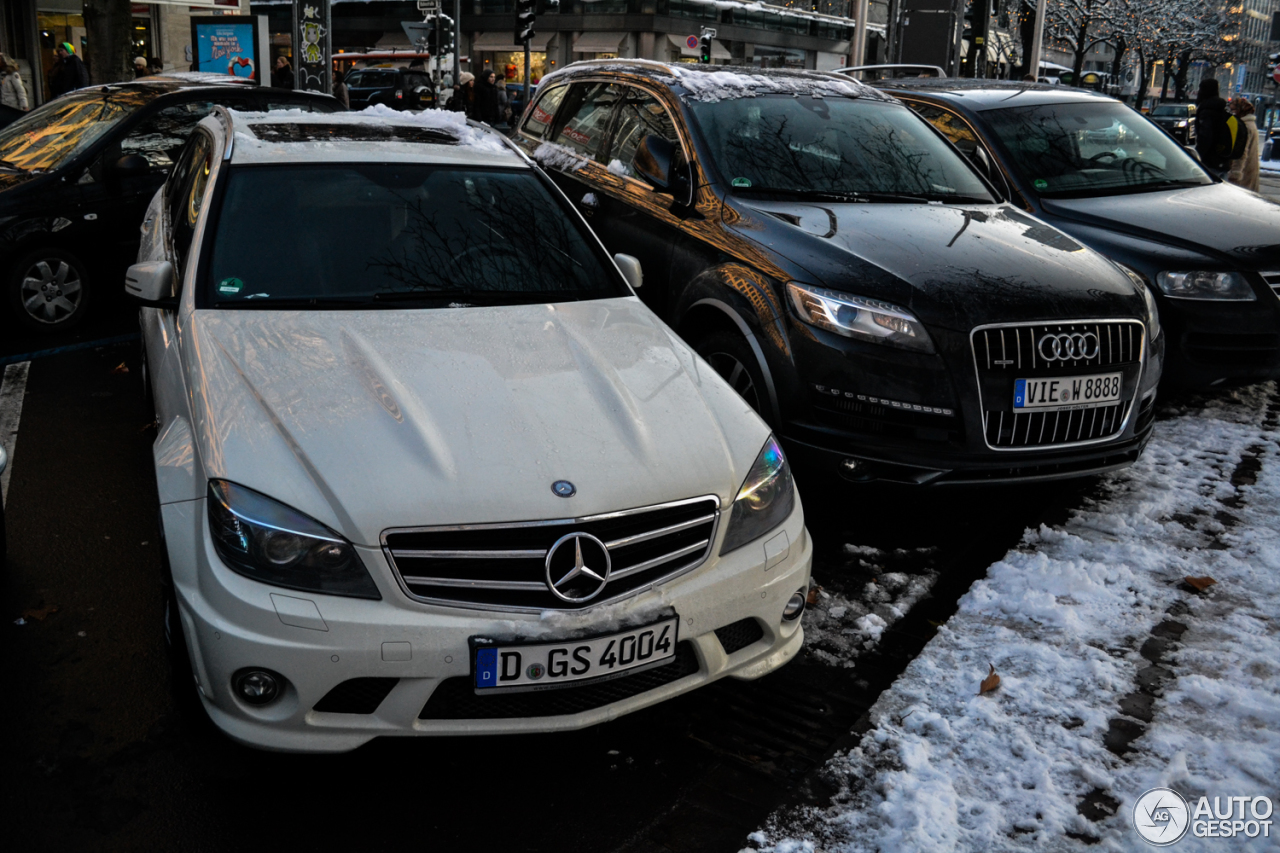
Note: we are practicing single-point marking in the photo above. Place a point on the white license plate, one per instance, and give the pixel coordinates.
(1067, 392)
(541, 666)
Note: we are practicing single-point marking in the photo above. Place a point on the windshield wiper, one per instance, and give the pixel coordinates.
(411, 295)
(296, 302)
(467, 295)
(853, 196)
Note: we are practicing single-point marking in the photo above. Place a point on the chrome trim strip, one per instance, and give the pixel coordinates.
(657, 561)
(533, 554)
(466, 583)
(654, 534)
(1142, 369)
(631, 593)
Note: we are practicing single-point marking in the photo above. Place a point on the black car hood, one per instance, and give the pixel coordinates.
(952, 266)
(1218, 220)
(9, 180)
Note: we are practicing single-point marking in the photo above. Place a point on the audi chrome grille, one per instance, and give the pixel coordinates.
(1007, 352)
(506, 566)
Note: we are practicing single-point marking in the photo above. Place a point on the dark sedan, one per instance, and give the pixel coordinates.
(854, 278)
(77, 174)
(1100, 171)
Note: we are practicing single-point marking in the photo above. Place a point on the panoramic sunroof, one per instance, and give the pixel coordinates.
(310, 132)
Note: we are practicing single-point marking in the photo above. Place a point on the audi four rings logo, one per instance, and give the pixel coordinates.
(1068, 347)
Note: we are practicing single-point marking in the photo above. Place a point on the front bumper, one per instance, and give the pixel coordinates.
(1212, 343)
(231, 622)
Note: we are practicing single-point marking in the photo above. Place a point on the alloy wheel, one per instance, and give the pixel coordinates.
(737, 375)
(51, 291)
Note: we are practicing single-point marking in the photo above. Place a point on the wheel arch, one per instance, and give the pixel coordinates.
(711, 315)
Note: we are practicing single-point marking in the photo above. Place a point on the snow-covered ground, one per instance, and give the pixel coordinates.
(1096, 638)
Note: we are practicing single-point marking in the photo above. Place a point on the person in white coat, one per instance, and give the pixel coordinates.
(12, 92)
(1244, 172)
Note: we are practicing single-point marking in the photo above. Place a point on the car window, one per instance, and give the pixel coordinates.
(409, 234)
(160, 136)
(370, 79)
(846, 146)
(586, 118)
(49, 136)
(1089, 149)
(544, 111)
(951, 126)
(188, 196)
(639, 115)
(1173, 110)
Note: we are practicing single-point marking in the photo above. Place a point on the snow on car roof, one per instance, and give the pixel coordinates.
(301, 136)
(725, 82)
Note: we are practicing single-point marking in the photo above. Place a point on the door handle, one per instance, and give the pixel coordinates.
(590, 203)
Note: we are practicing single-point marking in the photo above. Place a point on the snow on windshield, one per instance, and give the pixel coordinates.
(1068, 620)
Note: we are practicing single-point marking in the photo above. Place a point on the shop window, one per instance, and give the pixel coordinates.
(639, 116)
(160, 136)
(589, 108)
(544, 112)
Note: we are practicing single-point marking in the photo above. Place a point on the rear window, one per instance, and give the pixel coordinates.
(372, 79)
(353, 235)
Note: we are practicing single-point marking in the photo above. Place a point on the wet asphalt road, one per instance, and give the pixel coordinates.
(103, 753)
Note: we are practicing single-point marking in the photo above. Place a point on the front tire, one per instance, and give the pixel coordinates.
(48, 289)
(732, 358)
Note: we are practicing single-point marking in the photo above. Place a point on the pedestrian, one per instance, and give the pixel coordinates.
(340, 90)
(140, 67)
(282, 74)
(504, 102)
(68, 72)
(463, 94)
(1244, 170)
(12, 92)
(486, 100)
(1213, 135)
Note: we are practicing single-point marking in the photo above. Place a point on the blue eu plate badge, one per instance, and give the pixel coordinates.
(1019, 393)
(486, 667)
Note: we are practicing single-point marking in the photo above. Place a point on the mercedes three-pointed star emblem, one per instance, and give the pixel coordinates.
(586, 577)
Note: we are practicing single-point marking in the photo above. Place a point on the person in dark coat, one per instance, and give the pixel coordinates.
(68, 72)
(340, 90)
(463, 94)
(282, 74)
(1211, 124)
(488, 109)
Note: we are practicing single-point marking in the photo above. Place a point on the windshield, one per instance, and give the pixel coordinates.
(1176, 110)
(832, 146)
(1091, 149)
(431, 236)
(45, 138)
(372, 79)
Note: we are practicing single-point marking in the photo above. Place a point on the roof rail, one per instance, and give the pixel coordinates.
(224, 115)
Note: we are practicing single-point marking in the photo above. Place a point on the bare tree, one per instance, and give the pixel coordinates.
(109, 26)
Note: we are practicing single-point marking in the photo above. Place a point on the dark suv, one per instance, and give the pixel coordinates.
(397, 88)
(858, 282)
(1178, 120)
(77, 174)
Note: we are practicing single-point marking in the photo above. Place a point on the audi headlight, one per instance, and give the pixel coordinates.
(856, 317)
(1216, 286)
(1182, 123)
(1153, 312)
(265, 540)
(765, 500)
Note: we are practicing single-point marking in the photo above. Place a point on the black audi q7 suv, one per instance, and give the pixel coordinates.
(853, 276)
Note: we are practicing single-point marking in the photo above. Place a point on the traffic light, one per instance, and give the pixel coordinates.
(444, 32)
(704, 46)
(525, 16)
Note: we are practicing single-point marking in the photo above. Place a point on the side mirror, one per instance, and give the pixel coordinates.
(631, 271)
(1191, 149)
(131, 165)
(151, 284)
(653, 162)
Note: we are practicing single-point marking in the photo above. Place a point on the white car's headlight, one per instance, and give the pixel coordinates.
(1153, 312)
(265, 540)
(856, 317)
(765, 500)
(1216, 286)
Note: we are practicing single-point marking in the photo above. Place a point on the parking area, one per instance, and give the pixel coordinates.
(104, 755)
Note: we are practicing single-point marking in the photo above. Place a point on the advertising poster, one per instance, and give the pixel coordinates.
(226, 46)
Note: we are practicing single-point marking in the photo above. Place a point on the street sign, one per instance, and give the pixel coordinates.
(431, 7)
(692, 42)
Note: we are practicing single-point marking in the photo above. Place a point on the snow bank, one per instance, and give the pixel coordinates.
(1062, 618)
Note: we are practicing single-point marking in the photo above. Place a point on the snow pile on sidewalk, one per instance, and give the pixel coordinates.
(1062, 619)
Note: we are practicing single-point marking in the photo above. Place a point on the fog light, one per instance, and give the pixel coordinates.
(257, 686)
(851, 466)
(794, 607)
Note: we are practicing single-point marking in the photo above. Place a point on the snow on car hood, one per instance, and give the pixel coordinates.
(374, 419)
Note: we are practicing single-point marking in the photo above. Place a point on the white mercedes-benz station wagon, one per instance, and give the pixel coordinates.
(426, 464)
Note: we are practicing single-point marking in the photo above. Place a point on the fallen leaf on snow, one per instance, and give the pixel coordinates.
(1200, 584)
(812, 597)
(39, 613)
(991, 682)
(120, 368)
